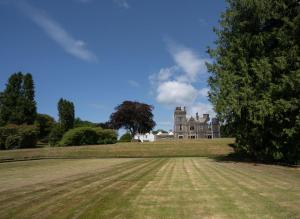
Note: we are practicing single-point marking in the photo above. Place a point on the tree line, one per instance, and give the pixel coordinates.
(21, 126)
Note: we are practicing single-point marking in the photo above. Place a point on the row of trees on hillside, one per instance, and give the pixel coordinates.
(255, 77)
(21, 126)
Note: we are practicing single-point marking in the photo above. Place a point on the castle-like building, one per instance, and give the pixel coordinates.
(193, 128)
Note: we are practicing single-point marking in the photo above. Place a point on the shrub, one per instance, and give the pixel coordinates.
(55, 135)
(126, 137)
(18, 136)
(88, 136)
(79, 136)
(107, 136)
(4, 133)
(44, 123)
(28, 136)
(12, 142)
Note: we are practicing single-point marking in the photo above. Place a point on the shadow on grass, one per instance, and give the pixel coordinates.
(244, 158)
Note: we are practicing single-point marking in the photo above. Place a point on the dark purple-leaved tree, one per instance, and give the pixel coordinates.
(133, 116)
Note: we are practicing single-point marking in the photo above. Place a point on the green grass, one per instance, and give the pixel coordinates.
(160, 186)
(147, 188)
(196, 148)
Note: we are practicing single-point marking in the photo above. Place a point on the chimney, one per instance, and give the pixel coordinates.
(206, 116)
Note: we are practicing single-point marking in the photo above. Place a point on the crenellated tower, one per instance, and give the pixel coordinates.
(180, 123)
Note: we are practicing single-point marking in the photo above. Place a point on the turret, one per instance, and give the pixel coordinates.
(180, 121)
(206, 116)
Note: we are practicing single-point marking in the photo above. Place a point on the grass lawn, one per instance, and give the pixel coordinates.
(159, 187)
(192, 148)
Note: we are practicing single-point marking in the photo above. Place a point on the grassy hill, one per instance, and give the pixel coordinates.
(184, 148)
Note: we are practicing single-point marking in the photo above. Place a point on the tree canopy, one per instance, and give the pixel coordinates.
(17, 103)
(255, 76)
(134, 116)
(66, 113)
(44, 124)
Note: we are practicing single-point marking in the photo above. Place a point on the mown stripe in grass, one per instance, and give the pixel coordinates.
(223, 204)
(52, 192)
(255, 173)
(260, 205)
(89, 189)
(152, 199)
(116, 201)
(15, 194)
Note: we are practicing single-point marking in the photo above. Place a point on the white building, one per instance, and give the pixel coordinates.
(164, 136)
(150, 137)
(145, 137)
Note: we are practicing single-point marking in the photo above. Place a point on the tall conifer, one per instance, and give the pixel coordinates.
(29, 102)
(17, 104)
(66, 113)
(255, 76)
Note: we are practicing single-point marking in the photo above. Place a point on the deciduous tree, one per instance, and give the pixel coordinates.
(44, 124)
(134, 116)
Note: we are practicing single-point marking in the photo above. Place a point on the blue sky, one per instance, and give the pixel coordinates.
(98, 53)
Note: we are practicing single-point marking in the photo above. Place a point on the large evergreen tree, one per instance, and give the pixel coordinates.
(17, 104)
(255, 76)
(66, 114)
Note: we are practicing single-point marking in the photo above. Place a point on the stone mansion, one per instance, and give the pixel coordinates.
(193, 128)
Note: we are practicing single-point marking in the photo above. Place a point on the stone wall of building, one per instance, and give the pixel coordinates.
(194, 128)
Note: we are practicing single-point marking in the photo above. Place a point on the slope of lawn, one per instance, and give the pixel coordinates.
(187, 187)
(194, 148)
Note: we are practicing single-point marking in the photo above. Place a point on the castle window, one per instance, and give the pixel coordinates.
(192, 128)
(180, 127)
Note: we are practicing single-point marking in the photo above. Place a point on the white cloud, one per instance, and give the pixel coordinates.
(202, 108)
(122, 3)
(56, 32)
(166, 73)
(174, 86)
(133, 83)
(188, 61)
(176, 93)
(204, 92)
